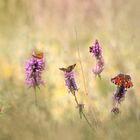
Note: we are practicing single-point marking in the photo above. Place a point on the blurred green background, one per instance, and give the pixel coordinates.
(49, 26)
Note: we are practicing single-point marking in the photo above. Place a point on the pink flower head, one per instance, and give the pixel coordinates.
(97, 70)
(99, 66)
(70, 81)
(34, 67)
(96, 49)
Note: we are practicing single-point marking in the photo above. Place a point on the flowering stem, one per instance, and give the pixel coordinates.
(86, 119)
(76, 100)
(99, 76)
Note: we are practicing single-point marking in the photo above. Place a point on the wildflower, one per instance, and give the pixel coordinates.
(69, 78)
(96, 49)
(71, 84)
(99, 67)
(34, 67)
(123, 82)
(97, 52)
(120, 94)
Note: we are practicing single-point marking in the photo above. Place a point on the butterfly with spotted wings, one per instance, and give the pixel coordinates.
(122, 79)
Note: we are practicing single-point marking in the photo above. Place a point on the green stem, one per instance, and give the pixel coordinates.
(76, 100)
(99, 76)
(87, 119)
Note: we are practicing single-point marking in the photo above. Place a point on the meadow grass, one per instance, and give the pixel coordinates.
(49, 26)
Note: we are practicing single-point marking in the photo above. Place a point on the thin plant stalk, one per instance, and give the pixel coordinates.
(76, 100)
(81, 66)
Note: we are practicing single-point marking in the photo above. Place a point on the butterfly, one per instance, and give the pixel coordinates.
(38, 55)
(69, 68)
(90, 49)
(128, 84)
(122, 79)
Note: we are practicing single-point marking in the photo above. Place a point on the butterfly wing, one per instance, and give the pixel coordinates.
(63, 69)
(90, 49)
(128, 84)
(116, 80)
(127, 78)
(70, 68)
(38, 55)
(122, 79)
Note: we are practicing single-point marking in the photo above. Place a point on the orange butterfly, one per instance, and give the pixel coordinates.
(38, 55)
(122, 79)
(128, 84)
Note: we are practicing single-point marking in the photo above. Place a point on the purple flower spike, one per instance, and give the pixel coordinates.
(34, 68)
(123, 82)
(97, 70)
(69, 78)
(70, 81)
(99, 66)
(118, 97)
(96, 49)
(120, 94)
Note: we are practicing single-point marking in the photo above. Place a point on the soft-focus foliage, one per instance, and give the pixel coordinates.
(49, 26)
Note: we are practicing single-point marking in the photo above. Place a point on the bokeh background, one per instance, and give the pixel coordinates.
(49, 26)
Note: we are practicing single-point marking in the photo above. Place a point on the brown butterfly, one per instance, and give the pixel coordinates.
(38, 55)
(69, 68)
(90, 49)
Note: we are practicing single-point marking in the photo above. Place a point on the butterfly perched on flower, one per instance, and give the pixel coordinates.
(69, 78)
(90, 49)
(122, 79)
(95, 48)
(69, 68)
(38, 55)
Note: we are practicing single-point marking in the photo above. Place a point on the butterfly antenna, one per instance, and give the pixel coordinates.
(81, 66)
